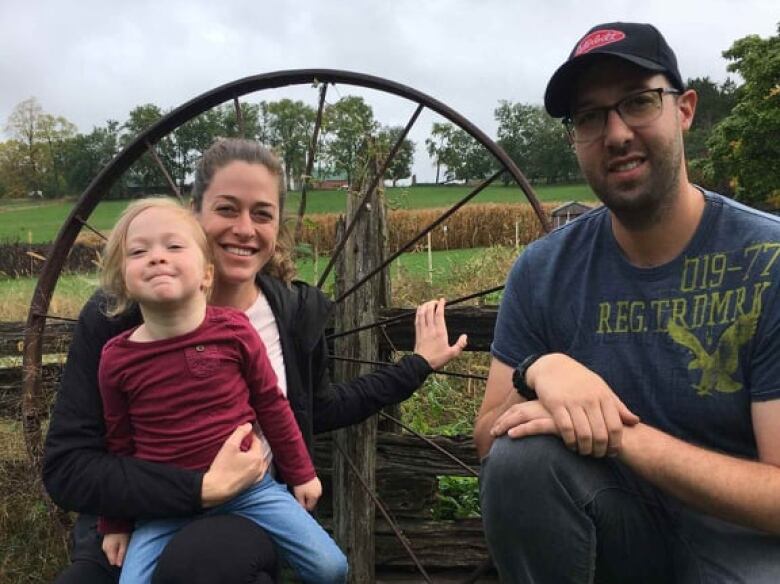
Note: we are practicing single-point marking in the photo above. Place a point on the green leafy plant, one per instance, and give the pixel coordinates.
(458, 498)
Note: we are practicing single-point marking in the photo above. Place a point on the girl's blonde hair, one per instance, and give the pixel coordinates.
(226, 150)
(112, 273)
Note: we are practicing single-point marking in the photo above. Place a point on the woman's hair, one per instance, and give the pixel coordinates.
(112, 273)
(226, 150)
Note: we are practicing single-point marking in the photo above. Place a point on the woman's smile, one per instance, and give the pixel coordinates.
(240, 215)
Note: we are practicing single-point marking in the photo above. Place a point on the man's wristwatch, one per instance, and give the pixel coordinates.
(518, 377)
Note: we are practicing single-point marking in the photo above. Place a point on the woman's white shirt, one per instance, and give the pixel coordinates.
(262, 318)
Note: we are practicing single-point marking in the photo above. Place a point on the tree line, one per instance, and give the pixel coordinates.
(47, 155)
(733, 147)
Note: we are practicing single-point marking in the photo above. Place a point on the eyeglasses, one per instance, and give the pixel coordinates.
(636, 110)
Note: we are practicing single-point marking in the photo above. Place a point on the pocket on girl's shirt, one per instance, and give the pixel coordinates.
(202, 360)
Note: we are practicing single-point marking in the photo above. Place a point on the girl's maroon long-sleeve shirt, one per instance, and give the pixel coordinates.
(177, 400)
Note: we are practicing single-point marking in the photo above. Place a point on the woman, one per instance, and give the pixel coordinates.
(238, 197)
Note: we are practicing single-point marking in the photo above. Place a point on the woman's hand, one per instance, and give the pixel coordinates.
(308, 493)
(115, 547)
(431, 340)
(240, 462)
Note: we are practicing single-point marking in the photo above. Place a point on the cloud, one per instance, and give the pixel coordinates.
(94, 60)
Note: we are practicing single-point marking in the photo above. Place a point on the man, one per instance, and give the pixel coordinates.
(632, 409)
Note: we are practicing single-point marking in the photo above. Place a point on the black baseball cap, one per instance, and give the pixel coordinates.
(640, 44)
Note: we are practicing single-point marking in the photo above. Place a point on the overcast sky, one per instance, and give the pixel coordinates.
(93, 60)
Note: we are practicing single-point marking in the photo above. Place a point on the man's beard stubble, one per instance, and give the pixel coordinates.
(655, 201)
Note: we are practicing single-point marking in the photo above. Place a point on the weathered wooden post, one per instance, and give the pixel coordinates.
(353, 508)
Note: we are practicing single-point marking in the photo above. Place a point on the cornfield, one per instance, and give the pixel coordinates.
(484, 225)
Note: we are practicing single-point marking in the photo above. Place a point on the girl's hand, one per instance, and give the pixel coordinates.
(308, 493)
(115, 547)
(431, 340)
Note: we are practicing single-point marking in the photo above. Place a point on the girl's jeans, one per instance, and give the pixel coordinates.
(301, 540)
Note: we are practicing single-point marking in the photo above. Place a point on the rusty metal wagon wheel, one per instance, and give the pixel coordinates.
(33, 411)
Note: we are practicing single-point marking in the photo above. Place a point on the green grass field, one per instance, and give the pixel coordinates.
(39, 222)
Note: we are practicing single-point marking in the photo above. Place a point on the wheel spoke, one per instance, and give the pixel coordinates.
(310, 163)
(386, 363)
(420, 235)
(479, 294)
(239, 117)
(53, 317)
(401, 537)
(92, 229)
(411, 313)
(362, 206)
(431, 443)
(166, 174)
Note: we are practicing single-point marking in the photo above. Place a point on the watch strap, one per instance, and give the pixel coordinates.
(518, 377)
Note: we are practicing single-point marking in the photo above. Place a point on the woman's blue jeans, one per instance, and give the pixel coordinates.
(553, 516)
(301, 540)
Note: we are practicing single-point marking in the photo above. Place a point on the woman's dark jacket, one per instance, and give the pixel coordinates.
(81, 476)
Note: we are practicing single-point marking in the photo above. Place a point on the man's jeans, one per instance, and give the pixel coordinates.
(554, 517)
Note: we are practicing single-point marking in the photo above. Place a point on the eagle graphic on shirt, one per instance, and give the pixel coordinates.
(717, 367)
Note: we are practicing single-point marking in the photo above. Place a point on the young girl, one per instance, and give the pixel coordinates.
(178, 385)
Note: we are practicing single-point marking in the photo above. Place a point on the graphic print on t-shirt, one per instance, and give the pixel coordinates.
(718, 366)
(713, 314)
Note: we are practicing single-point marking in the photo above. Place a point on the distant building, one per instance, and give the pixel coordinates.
(329, 182)
(568, 212)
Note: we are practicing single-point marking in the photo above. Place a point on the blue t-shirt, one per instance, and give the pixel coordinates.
(687, 345)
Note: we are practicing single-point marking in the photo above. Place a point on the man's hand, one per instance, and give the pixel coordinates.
(115, 547)
(234, 468)
(588, 415)
(524, 419)
(431, 340)
(308, 493)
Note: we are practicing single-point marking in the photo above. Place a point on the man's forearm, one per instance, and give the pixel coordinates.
(741, 491)
(483, 439)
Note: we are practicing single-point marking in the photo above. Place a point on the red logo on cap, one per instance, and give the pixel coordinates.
(598, 39)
